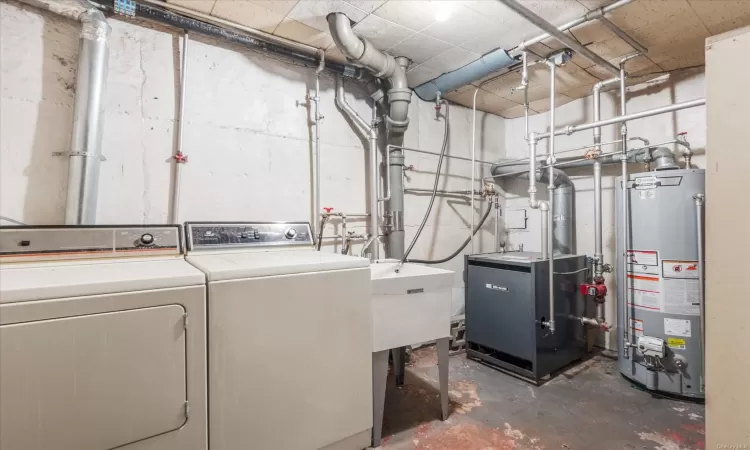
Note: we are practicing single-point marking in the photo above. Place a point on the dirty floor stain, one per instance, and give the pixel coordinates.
(586, 407)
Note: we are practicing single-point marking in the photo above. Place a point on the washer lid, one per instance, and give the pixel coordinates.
(237, 265)
(39, 281)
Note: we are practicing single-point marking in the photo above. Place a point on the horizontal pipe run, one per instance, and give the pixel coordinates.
(515, 162)
(167, 14)
(591, 15)
(465, 192)
(623, 35)
(427, 152)
(570, 129)
(566, 40)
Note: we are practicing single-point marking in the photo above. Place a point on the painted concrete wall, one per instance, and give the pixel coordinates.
(249, 145)
(673, 88)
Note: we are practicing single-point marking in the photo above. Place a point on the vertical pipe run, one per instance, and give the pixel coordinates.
(550, 198)
(544, 208)
(88, 119)
(318, 117)
(473, 164)
(177, 174)
(532, 171)
(625, 219)
(374, 176)
(497, 223)
(699, 202)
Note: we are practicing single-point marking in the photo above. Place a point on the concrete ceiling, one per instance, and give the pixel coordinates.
(442, 35)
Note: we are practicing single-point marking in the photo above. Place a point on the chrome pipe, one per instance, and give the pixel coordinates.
(178, 158)
(699, 199)
(473, 162)
(591, 15)
(623, 35)
(566, 40)
(624, 118)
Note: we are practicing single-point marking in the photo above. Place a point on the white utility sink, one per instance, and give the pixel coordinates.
(411, 306)
(408, 307)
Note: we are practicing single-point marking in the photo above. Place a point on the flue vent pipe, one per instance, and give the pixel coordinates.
(85, 153)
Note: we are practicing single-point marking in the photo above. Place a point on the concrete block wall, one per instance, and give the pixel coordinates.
(673, 88)
(249, 145)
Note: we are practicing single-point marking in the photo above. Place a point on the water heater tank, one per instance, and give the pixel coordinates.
(663, 290)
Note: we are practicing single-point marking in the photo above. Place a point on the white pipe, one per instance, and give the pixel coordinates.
(316, 174)
(178, 157)
(544, 208)
(591, 15)
(570, 129)
(372, 135)
(532, 170)
(473, 162)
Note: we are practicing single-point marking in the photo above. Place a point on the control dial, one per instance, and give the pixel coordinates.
(146, 239)
(290, 233)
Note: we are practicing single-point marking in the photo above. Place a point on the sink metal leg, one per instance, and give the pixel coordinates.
(443, 346)
(399, 364)
(379, 378)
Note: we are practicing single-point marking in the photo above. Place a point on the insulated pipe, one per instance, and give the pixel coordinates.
(372, 135)
(699, 202)
(88, 114)
(498, 59)
(178, 158)
(568, 41)
(570, 129)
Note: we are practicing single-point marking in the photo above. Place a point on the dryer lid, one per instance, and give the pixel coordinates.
(40, 281)
(233, 265)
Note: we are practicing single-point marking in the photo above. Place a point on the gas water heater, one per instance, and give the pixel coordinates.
(660, 319)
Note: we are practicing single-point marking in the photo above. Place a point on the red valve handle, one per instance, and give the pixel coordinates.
(328, 210)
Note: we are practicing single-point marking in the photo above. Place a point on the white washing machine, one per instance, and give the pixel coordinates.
(102, 340)
(289, 333)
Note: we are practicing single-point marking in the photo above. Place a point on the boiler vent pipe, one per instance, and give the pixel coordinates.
(85, 152)
(179, 157)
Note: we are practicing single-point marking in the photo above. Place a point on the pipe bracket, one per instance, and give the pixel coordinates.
(84, 154)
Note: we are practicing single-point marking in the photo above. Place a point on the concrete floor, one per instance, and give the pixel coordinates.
(589, 406)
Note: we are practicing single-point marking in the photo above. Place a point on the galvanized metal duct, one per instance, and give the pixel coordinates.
(88, 115)
(563, 205)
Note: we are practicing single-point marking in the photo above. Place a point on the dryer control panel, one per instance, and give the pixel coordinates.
(33, 243)
(228, 235)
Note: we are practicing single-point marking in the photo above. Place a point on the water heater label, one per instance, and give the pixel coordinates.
(677, 344)
(677, 327)
(681, 288)
(643, 257)
(645, 291)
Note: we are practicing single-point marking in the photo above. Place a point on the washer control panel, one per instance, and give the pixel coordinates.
(30, 243)
(213, 235)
